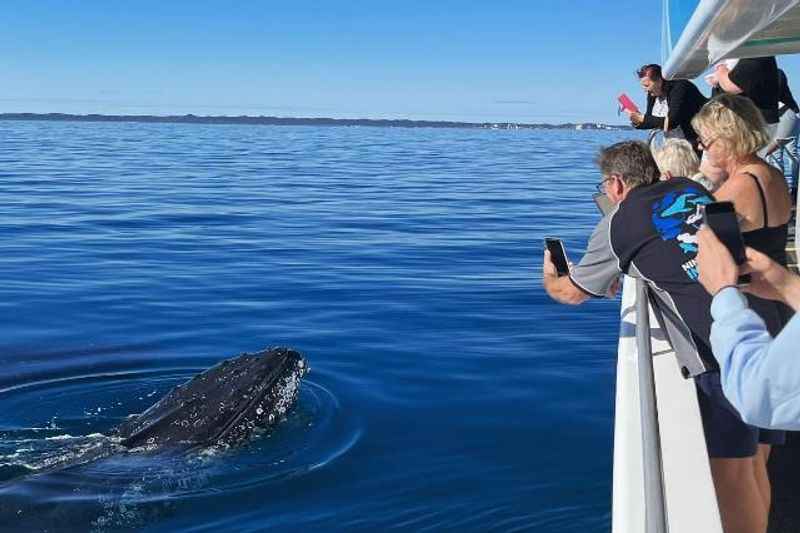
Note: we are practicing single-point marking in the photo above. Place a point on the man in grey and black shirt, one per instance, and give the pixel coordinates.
(650, 235)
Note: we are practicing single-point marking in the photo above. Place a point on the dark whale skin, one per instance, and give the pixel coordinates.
(221, 406)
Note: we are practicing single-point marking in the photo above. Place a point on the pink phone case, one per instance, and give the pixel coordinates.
(627, 103)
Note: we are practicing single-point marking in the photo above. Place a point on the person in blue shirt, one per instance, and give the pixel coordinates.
(760, 374)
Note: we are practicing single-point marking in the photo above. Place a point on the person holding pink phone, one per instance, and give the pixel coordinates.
(671, 104)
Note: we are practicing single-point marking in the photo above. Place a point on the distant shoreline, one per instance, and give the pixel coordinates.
(290, 121)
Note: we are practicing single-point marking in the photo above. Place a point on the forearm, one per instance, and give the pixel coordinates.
(562, 290)
(651, 123)
(760, 375)
(791, 293)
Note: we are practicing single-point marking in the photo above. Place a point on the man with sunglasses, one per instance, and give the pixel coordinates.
(671, 104)
(651, 235)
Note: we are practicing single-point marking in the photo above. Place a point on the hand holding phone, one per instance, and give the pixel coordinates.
(627, 104)
(721, 218)
(557, 255)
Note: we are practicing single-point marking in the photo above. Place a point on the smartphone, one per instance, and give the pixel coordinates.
(721, 217)
(603, 203)
(626, 103)
(558, 255)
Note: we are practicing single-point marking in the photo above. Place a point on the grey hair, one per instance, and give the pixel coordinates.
(631, 160)
(677, 157)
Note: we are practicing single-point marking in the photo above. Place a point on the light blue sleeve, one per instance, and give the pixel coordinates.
(760, 375)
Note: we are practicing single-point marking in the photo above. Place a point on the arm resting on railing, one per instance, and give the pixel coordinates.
(596, 275)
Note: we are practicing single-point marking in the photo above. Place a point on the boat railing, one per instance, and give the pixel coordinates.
(787, 158)
(662, 478)
(655, 515)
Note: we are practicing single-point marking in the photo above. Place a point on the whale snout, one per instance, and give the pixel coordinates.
(224, 404)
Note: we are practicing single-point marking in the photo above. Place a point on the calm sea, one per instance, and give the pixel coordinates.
(447, 392)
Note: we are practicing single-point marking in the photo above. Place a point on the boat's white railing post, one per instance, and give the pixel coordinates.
(655, 515)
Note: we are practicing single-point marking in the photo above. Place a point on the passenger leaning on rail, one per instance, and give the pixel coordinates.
(760, 374)
(650, 234)
(669, 102)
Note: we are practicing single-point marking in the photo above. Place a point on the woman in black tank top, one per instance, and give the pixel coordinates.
(769, 240)
(758, 191)
(731, 132)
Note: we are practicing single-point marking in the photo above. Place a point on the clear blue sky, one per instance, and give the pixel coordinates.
(517, 60)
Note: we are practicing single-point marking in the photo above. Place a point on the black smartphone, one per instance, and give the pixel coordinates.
(558, 255)
(603, 203)
(721, 217)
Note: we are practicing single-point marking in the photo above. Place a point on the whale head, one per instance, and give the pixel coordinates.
(223, 405)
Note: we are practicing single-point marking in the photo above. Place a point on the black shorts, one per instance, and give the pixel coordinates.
(726, 434)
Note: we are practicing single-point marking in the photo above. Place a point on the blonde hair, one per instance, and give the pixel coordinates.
(676, 157)
(735, 121)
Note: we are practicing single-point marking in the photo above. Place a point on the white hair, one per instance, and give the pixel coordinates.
(676, 157)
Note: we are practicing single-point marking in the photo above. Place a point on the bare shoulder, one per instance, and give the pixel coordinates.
(773, 181)
(737, 188)
(776, 192)
(768, 173)
(778, 195)
(743, 192)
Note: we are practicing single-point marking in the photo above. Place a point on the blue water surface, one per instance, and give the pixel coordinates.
(447, 392)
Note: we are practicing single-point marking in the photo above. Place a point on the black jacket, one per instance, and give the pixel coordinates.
(684, 100)
(785, 95)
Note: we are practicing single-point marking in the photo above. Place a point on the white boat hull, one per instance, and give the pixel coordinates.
(690, 500)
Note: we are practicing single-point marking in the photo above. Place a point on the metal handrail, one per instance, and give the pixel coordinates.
(789, 152)
(655, 512)
(787, 149)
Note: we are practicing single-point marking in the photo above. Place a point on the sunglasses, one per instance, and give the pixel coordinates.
(601, 187)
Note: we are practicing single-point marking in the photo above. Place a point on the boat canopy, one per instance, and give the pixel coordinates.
(698, 33)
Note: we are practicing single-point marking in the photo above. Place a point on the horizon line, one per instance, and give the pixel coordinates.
(278, 120)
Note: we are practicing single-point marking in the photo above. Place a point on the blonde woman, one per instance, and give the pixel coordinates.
(731, 130)
(676, 157)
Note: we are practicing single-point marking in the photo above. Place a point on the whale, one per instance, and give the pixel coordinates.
(95, 479)
(220, 407)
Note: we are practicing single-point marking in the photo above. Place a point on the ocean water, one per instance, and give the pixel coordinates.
(447, 392)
